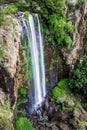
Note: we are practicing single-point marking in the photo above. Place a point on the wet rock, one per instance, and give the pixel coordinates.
(51, 111)
(54, 127)
(80, 113)
(5, 112)
(59, 116)
(50, 124)
(70, 103)
(63, 126)
(44, 113)
(46, 105)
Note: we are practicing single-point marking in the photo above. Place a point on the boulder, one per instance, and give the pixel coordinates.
(63, 126)
(80, 113)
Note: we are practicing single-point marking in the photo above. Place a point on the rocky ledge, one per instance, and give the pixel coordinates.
(56, 117)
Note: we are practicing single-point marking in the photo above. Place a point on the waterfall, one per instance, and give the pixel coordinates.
(42, 60)
(35, 40)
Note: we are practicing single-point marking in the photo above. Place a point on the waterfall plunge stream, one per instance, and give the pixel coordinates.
(35, 41)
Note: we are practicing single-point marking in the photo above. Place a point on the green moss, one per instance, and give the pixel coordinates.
(11, 9)
(2, 15)
(54, 61)
(24, 124)
(2, 52)
(67, 62)
(22, 91)
(4, 11)
(26, 15)
(68, 41)
(63, 107)
(61, 90)
(21, 102)
(5, 113)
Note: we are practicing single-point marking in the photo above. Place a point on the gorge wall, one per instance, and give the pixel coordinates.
(10, 39)
(58, 63)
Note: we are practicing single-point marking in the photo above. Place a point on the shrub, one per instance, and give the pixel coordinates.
(61, 90)
(5, 113)
(10, 9)
(23, 91)
(78, 83)
(2, 15)
(68, 41)
(24, 124)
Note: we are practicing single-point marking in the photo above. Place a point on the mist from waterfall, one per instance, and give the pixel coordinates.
(35, 41)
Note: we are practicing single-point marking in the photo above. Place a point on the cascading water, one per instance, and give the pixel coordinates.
(34, 37)
(42, 74)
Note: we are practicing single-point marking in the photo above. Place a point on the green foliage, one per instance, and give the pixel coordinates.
(23, 7)
(57, 27)
(10, 9)
(26, 15)
(71, 6)
(4, 11)
(21, 1)
(20, 107)
(8, 1)
(84, 104)
(61, 90)
(67, 62)
(78, 82)
(79, 3)
(5, 114)
(63, 107)
(24, 124)
(68, 41)
(2, 52)
(21, 102)
(23, 91)
(55, 24)
(69, 28)
(2, 15)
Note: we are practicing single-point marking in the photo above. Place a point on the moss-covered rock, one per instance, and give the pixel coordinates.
(9, 53)
(24, 124)
(69, 104)
(61, 91)
(5, 113)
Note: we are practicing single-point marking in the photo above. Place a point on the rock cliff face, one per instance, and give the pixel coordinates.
(55, 60)
(10, 39)
(9, 55)
(55, 66)
(77, 16)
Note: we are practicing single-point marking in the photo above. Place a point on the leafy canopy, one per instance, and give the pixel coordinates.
(78, 82)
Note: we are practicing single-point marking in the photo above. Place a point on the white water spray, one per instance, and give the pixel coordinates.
(33, 32)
